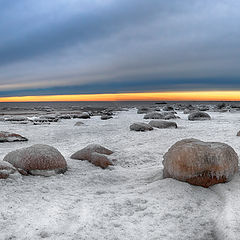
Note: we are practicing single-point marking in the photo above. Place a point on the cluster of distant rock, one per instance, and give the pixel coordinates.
(166, 113)
(49, 118)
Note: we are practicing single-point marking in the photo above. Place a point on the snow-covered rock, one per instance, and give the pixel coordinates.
(168, 108)
(170, 116)
(78, 124)
(94, 153)
(153, 115)
(198, 116)
(143, 110)
(140, 126)
(11, 137)
(6, 169)
(39, 159)
(105, 117)
(16, 119)
(84, 115)
(162, 124)
(200, 163)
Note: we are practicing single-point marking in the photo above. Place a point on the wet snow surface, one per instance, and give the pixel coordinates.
(128, 201)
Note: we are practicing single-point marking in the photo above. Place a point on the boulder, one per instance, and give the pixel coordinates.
(238, 134)
(153, 115)
(143, 110)
(6, 169)
(11, 137)
(78, 124)
(95, 154)
(203, 108)
(16, 119)
(198, 116)
(162, 124)
(38, 159)
(65, 116)
(170, 116)
(200, 163)
(140, 126)
(168, 108)
(84, 115)
(105, 117)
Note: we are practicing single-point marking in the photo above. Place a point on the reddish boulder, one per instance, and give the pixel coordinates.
(94, 153)
(6, 169)
(200, 163)
(38, 159)
(11, 137)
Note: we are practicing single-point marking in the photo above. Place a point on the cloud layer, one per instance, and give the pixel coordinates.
(73, 47)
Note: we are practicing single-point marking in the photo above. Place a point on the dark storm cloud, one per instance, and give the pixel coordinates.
(79, 28)
(58, 47)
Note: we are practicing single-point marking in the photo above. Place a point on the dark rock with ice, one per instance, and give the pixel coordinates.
(6, 169)
(65, 116)
(105, 117)
(153, 115)
(200, 163)
(168, 108)
(16, 119)
(238, 134)
(140, 126)
(78, 124)
(170, 116)
(39, 159)
(95, 154)
(143, 110)
(203, 108)
(162, 124)
(11, 137)
(198, 116)
(84, 115)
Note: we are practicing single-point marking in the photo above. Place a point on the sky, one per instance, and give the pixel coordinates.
(65, 47)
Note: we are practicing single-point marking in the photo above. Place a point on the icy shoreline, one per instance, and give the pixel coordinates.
(127, 201)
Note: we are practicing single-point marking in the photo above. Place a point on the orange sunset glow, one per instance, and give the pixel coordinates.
(149, 96)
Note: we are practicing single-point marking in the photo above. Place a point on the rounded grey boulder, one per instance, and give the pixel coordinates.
(198, 116)
(140, 127)
(153, 115)
(162, 124)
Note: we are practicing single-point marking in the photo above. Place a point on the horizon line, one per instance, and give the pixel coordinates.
(139, 96)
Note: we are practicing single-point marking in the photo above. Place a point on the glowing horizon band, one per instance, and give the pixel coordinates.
(148, 96)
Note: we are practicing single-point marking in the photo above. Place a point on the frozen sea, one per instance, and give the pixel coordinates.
(129, 201)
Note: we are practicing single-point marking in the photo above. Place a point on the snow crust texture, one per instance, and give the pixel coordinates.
(128, 201)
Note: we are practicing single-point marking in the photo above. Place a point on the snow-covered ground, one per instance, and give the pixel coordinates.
(128, 201)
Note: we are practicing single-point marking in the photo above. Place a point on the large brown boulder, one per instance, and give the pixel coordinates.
(11, 137)
(6, 169)
(38, 159)
(200, 163)
(95, 154)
